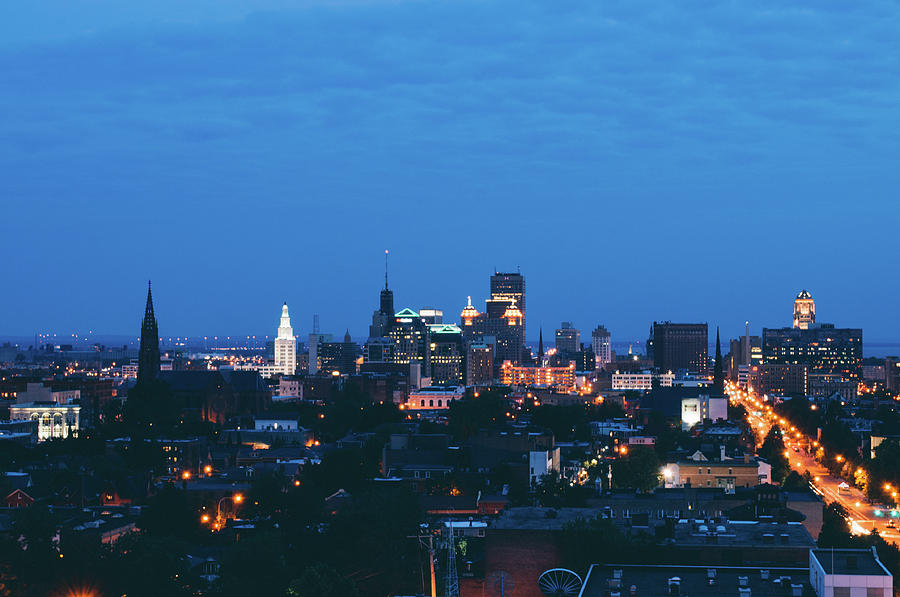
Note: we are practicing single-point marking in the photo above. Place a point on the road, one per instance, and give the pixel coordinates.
(863, 516)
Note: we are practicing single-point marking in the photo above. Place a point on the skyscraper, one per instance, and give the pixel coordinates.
(285, 345)
(680, 346)
(148, 355)
(506, 315)
(600, 340)
(383, 316)
(804, 310)
(568, 341)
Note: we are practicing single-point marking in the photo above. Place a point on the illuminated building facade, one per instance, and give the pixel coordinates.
(54, 421)
(479, 364)
(506, 315)
(338, 356)
(824, 348)
(629, 380)
(680, 346)
(804, 311)
(434, 397)
(697, 410)
(285, 345)
(559, 379)
(409, 335)
(600, 341)
(447, 354)
(779, 379)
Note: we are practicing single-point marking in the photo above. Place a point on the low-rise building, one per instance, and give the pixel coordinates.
(849, 573)
(434, 397)
(54, 421)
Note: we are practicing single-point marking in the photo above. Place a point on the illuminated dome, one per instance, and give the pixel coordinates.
(512, 313)
(804, 295)
(469, 314)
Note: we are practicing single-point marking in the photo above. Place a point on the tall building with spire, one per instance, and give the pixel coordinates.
(718, 371)
(804, 310)
(148, 355)
(383, 316)
(285, 345)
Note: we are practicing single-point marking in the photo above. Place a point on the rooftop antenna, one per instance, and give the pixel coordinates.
(385, 269)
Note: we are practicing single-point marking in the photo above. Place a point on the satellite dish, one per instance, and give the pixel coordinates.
(559, 582)
(500, 584)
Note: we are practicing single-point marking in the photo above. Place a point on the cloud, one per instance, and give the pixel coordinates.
(371, 107)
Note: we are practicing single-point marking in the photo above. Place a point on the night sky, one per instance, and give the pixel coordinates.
(689, 160)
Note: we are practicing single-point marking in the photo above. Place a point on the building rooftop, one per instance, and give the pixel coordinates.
(602, 580)
(850, 561)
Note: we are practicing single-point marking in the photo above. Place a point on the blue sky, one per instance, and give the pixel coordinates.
(690, 160)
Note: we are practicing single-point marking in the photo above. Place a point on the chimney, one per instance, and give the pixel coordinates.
(746, 458)
(722, 452)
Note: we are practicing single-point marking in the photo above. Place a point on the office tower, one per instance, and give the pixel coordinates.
(316, 340)
(831, 354)
(600, 341)
(409, 335)
(510, 288)
(479, 364)
(338, 356)
(568, 341)
(892, 375)
(826, 350)
(431, 316)
(680, 346)
(148, 354)
(804, 310)
(285, 345)
(777, 379)
(382, 317)
(447, 354)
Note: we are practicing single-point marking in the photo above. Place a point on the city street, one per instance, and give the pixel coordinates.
(863, 516)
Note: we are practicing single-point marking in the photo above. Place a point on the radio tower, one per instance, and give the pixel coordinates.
(452, 577)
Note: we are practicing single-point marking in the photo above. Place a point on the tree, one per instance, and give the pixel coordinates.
(772, 450)
(638, 470)
(554, 491)
(321, 580)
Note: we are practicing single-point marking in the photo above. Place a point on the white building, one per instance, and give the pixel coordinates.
(600, 341)
(849, 573)
(697, 410)
(542, 462)
(53, 420)
(276, 425)
(641, 380)
(285, 345)
(434, 397)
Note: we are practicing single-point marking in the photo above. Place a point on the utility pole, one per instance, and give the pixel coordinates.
(426, 540)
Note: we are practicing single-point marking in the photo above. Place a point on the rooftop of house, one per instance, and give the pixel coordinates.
(696, 581)
(850, 561)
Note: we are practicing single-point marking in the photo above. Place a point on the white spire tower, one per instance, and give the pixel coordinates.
(285, 345)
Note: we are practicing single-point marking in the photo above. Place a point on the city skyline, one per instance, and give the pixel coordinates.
(880, 345)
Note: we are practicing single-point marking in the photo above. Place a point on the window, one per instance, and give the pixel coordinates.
(842, 592)
(439, 403)
(431, 403)
(730, 472)
(422, 403)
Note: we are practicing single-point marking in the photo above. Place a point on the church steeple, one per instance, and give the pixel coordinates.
(148, 355)
(718, 372)
(540, 347)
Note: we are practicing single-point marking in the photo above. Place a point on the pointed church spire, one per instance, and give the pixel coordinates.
(540, 347)
(718, 372)
(148, 355)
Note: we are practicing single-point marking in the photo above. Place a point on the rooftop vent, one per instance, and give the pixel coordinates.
(796, 590)
(743, 592)
(785, 538)
(617, 573)
(768, 538)
(764, 574)
(743, 581)
(674, 586)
